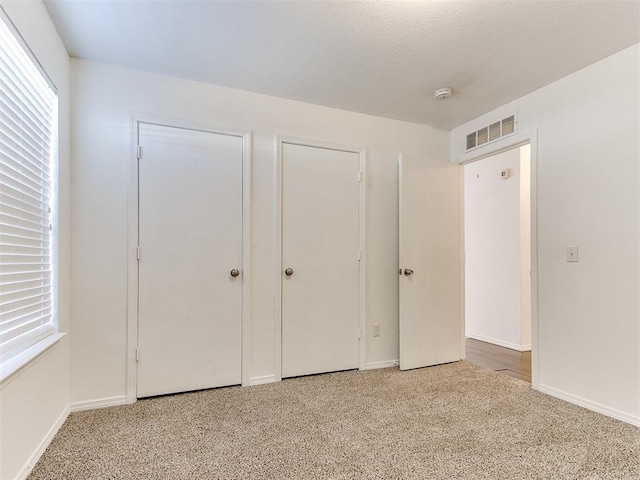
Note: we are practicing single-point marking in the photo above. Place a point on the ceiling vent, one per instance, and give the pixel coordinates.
(492, 132)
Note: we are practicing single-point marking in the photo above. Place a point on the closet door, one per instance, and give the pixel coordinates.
(190, 283)
(320, 266)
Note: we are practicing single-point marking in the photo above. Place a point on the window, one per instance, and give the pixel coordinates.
(28, 122)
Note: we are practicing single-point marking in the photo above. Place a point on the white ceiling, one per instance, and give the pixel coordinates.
(379, 57)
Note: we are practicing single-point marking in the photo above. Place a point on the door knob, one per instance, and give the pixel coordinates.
(288, 272)
(235, 272)
(408, 272)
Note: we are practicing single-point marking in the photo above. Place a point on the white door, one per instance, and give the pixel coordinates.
(190, 234)
(320, 266)
(429, 301)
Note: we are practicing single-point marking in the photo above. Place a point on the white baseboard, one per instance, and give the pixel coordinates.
(588, 404)
(385, 364)
(261, 380)
(501, 343)
(35, 456)
(99, 403)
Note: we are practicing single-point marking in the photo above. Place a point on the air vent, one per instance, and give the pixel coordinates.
(508, 125)
(494, 131)
(483, 136)
(488, 134)
(471, 140)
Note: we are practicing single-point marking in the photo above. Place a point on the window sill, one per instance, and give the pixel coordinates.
(13, 365)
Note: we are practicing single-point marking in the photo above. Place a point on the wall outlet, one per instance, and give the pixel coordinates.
(376, 329)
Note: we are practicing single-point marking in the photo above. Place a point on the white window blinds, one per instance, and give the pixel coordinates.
(28, 118)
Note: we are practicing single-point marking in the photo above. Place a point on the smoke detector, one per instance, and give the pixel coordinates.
(442, 93)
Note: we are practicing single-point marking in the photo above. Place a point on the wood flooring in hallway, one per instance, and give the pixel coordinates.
(500, 359)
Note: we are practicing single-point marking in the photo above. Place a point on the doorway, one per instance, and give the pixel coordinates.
(497, 267)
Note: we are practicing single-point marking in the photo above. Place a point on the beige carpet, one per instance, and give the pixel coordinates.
(456, 421)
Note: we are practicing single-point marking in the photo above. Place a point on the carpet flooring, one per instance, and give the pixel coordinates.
(454, 421)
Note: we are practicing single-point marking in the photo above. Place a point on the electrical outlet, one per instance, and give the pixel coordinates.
(376, 329)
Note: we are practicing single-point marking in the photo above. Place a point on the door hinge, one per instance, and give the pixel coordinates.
(139, 152)
(359, 255)
(359, 333)
(359, 177)
(138, 252)
(137, 354)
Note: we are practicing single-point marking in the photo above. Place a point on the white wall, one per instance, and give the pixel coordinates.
(105, 96)
(525, 247)
(588, 177)
(493, 250)
(35, 400)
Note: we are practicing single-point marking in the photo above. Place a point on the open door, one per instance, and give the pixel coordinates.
(428, 265)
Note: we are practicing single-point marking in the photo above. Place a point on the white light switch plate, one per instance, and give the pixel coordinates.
(376, 329)
(572, 254)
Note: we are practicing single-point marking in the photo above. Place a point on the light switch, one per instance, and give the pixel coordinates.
(572, 254)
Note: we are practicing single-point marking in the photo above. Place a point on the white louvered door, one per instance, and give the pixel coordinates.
(190, 233)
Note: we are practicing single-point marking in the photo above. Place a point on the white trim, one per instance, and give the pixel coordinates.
(132, 260)
(512, 141)
(99, 403)
(384, 364)
(262, 380)
(501, 343)
(132, 266)
(399, 289)
(362, 245)
(35, 456)
(461, 266)
(246, 258)
(535, 334)
(311, 142)
(277, 266)
(588, 404)
(14, 365)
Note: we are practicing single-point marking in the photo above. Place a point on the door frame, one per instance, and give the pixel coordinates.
(362, 199)
(508, 143)
(133, 238)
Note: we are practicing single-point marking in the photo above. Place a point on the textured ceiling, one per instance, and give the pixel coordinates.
(379, 57)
